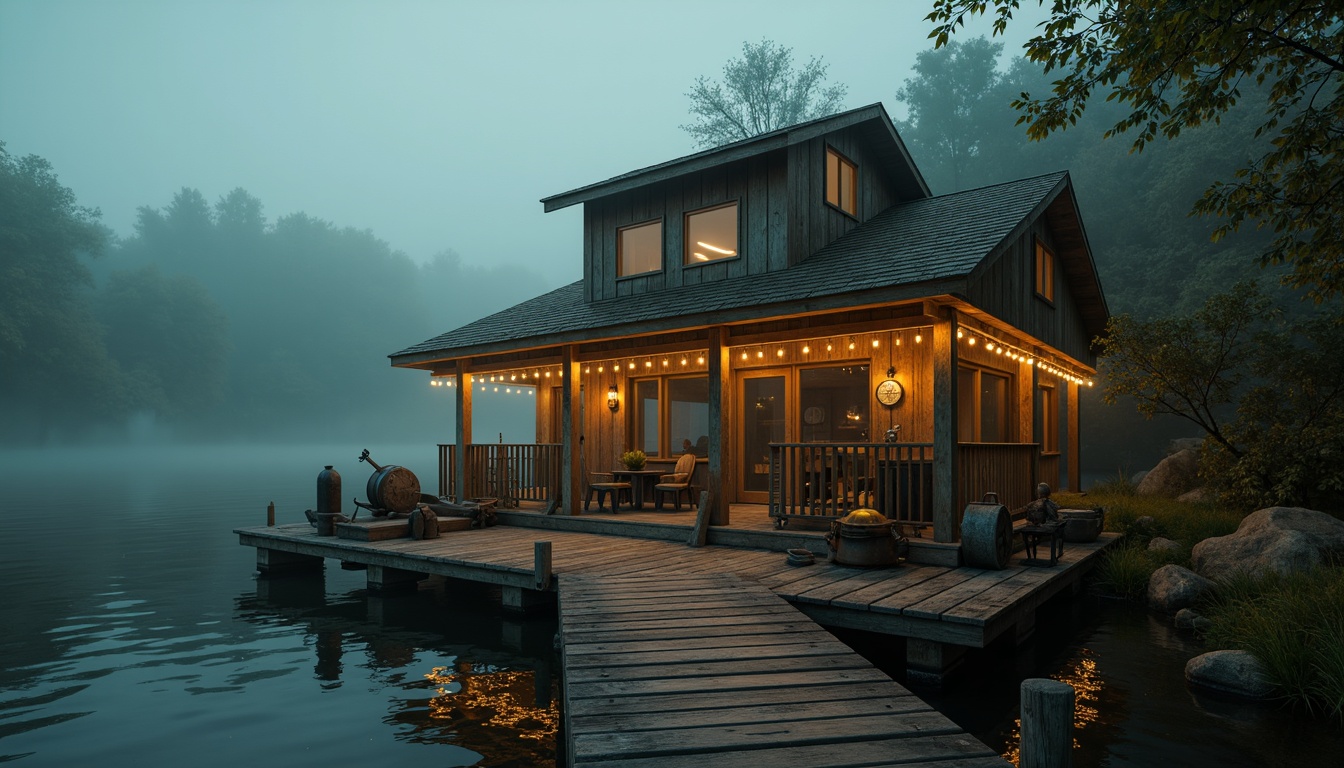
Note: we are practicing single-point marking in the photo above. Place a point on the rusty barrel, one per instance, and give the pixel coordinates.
(986, 534)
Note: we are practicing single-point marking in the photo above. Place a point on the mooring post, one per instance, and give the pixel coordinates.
(270, 515)
(700, 533)
(1047, 724)
(541, 565)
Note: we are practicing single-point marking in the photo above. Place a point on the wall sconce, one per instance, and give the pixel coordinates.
(613, 398)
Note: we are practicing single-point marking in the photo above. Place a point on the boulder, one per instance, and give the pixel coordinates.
(1235, 673)
(1172, 588)
(1173, 476)
(1160, 544)
(1277, 539)
(1185, 444)
(1188, 619)
(1138, 478)
(1196, 496)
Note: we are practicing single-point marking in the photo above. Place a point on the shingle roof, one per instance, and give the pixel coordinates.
(912, 243)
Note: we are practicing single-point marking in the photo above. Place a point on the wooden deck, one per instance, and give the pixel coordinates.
(675, 671)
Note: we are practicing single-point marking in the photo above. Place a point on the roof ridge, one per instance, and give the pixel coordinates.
(1060, 173)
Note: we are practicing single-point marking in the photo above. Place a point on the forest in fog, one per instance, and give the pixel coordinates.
(214, 319)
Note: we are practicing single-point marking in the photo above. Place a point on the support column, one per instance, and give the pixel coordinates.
(382, 579)
(928, 662)
(520, 600)
(1075, 451)
(721, 487)
(945, 475)
(464, 389)
(273, 562)
(571, 486)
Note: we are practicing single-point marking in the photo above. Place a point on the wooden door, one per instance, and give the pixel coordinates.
(764, 402)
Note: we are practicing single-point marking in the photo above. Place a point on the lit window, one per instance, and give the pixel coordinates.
(646, 416)
(671, 415)
(983, 408)
(639, 248)
(842, 182)
(711, 234)
(1045, 272)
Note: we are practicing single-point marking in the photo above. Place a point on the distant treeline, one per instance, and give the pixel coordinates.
(212, 322)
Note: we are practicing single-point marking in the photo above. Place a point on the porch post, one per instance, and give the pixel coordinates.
(945, 478)
(571, 484)
(720, 418)
(464, 388)
(1075, 451)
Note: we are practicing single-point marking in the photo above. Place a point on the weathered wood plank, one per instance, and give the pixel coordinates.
(942, 751)
(836, 659)
(751, 714)
(576, 658)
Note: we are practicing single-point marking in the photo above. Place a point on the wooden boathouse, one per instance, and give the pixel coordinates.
(801, 316)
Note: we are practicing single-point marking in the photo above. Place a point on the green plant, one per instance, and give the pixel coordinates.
(634, 459)
(1125, 570)
(1293, 625)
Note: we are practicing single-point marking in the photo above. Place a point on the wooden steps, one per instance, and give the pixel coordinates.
(715, 670)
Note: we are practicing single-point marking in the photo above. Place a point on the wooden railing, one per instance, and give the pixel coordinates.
(1008, 469)
(829, 480)
(509, 472)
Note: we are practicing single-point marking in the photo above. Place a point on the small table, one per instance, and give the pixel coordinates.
(637, 479)
(1052, 533)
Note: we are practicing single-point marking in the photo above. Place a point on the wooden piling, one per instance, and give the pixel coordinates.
(700, 533)
(1047, 724)
(270, 515)
(541, 565)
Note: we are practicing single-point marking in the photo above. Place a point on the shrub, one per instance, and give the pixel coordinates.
(1125, 570)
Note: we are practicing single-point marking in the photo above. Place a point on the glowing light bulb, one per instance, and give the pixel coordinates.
(806, 350)
(919, 339)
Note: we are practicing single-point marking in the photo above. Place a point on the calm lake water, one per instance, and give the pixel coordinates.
(135, 632)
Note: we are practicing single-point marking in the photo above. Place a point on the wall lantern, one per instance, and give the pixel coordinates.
(613, 398)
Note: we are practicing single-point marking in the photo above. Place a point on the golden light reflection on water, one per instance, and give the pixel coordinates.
(497, 699)
(1083, 675)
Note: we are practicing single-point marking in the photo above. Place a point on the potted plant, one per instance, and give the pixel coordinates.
(634, 460)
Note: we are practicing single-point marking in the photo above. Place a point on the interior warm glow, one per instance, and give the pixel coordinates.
(701, 256)
(716, 249)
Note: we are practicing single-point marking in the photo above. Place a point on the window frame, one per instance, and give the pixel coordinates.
(1049, 419)
(843, 161)
(662, 247)
(633, 427)
(975, 418)
(1044, 269)
(687, 255)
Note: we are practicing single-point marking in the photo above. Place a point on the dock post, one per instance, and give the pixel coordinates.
(382, 579)
(522, 600)
(541, 565)
(1047, 724)
(928, 662)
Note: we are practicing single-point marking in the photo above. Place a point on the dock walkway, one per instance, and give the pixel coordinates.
(674, 671)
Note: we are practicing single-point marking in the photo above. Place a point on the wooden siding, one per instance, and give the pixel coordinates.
(812, 223)
(1006, 289)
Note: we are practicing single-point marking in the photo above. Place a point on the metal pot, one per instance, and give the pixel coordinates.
(1082, 525)
(865, 537)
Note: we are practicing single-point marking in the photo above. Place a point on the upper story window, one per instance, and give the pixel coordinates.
(1045, 272)
(711, 234)
(639, 248)
(842, 182)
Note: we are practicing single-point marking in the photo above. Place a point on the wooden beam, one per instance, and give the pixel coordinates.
(1075, 454)
(811, 331)
(945, 477)
(463, 382)
(572, 455)
(721, 490)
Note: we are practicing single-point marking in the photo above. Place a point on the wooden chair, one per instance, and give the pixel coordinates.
(604, 484)
(676, 483)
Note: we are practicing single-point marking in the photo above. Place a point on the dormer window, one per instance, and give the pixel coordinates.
(842, 182)
(711, 234)
(639, 248)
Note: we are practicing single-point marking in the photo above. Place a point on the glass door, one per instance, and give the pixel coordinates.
(764, 407)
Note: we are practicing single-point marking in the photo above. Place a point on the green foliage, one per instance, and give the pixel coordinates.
(760, 92)
(1294, 625)
(1268, 391)
(634, 459)
(954, 99)
(1173, 66)
(1124, 571)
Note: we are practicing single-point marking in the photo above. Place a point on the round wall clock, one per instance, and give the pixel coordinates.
(814, 415)
(890, 392)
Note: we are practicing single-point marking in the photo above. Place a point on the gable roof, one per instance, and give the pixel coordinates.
(871, 121)
(918, 248)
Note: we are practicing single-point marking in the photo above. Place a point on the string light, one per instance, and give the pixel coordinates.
(806, 350)
(919, 339)
(875, 343)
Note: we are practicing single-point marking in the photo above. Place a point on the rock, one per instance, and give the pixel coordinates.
(1138, 477)
(1146, 522)
(1185, 444)
(1173, 476)
(1188, 619)
(1196, 496)
(1172, 588)
(1160, 544)
(1235, 673)
(1277, 539)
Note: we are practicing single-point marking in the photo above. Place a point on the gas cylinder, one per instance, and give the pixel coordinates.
(329, 491)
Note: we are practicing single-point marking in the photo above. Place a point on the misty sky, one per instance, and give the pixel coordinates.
(438, 125)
